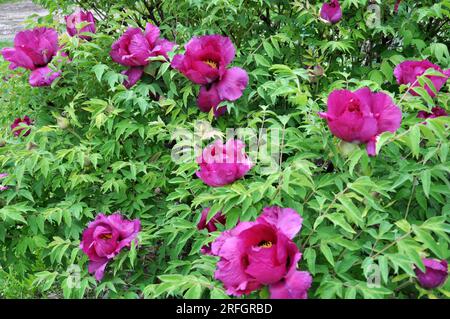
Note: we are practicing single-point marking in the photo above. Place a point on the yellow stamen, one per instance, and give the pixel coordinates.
(265, 244)
(211, 63)
(106, 236)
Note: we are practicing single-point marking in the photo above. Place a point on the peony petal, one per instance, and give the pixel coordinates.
(43, 77)
(162, 47)
(264, 266)
(337, 102)
(177, 62)
(208, 99)
(152, 33)
(230, 269)
(231, 86)
(285, 219)
(98, 267)
(134, 74)
(18, 58)
(388, 115)
(295, 286)
(210, 225)
(371, 147)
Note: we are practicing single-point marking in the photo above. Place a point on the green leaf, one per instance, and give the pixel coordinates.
(339, 220)
(99, 70)
(310, 257)
(428, 240)
(260, 60)
(217, 293)
(268, 48)
(352, 212)
(403, 225)
(326, 251)
(195, 292)
(414, 141)
(350, 293)
(384, 268)
(425, 177)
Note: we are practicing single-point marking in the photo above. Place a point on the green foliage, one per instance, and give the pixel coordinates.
(97, 147)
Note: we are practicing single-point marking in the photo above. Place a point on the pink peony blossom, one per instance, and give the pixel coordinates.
(134, 49)
(408, 72)
(260, 253)
(360, 116)
(211, 226)
(104, 239)
(222, 164)
(435, 275)
(331, 11)
(34, 50)
(205, 62)
(435, 112)
(26, 121)
(76, 18)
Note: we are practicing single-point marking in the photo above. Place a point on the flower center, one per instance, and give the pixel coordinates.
(353, 105)
(106, 236)
(265, 244)
(211, 63)
(45, 53)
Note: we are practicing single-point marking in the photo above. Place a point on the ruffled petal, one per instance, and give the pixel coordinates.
(285, 219)
(232, 85)
(295, 286)
(134, 74)
(43, 77)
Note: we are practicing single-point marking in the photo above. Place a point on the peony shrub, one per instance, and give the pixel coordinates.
(241, 149)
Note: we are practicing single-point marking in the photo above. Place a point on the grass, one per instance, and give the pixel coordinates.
(6, 1)
(5, 44)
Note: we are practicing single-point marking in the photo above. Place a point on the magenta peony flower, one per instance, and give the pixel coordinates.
(210, 226)
(435, 274)
(205, 62)
(360, 116)
(2, 187)
(260, 253)
(73, 20)
(134, 48)
(222, 164)
(408, 72)
(331, 11)
(435, 112)
(104, 239)
(34, 50)
(26, 121)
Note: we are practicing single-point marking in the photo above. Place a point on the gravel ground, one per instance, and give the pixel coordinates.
(13, 16)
